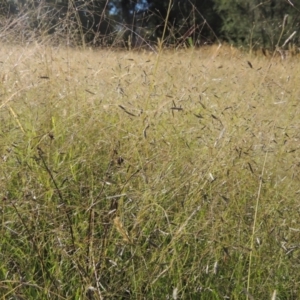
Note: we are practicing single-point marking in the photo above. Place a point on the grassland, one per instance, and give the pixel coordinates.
(129, 175)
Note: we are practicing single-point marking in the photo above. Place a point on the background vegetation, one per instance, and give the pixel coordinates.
(139, 23)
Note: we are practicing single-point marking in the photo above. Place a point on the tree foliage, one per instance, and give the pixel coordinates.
(256, 23)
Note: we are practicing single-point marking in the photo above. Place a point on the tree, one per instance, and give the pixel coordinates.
(82, 21)
(256, 24)
(193, 19)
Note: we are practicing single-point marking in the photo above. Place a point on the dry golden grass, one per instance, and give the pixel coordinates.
(144, 176)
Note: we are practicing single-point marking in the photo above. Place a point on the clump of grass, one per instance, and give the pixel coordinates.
(118, 183)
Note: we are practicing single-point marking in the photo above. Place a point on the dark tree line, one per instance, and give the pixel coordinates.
(132, 23)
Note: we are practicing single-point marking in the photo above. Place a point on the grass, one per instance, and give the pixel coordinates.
(123, 180)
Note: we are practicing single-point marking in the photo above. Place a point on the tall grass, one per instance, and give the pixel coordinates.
(116, 183)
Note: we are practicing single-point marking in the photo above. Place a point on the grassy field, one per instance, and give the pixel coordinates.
(127, 175)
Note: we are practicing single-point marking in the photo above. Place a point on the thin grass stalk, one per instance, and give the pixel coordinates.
(160, 44)
(254, 225)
